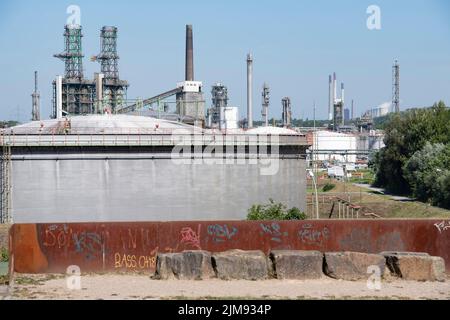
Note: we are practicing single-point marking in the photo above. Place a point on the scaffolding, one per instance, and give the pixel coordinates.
(77, 93)
(114, 89)
(5, 185)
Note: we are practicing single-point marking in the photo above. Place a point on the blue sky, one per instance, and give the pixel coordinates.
(296, 45)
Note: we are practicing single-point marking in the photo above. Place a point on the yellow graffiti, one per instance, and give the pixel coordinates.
(131, 261)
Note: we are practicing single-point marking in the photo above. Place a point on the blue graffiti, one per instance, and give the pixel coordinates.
(221, 233)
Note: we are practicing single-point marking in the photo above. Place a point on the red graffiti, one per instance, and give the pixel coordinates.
(190, 237)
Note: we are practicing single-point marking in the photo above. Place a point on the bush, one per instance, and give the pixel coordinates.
(274, 211)
(4, 255)
(428, 174)
(328, 187)
(406, 133)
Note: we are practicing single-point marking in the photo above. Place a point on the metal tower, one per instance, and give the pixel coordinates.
(219, 95)
(396, 86)
(72, 94)
(36, 98)
(287, 113)
(265, 103)
(108, 57)
(73, 55)
(113, 92)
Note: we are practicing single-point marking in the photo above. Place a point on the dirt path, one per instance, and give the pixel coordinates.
(142, 287)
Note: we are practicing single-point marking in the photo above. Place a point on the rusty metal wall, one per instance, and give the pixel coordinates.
(131, 247)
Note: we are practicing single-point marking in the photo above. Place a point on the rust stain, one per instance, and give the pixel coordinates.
(133, 246)
(28, 257)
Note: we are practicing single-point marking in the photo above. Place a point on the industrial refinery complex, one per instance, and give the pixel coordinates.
(104, 157)
(101, 147)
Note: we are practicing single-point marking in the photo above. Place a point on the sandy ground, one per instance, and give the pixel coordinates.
(112, 287)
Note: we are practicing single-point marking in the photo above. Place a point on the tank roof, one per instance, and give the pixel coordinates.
(101, 124)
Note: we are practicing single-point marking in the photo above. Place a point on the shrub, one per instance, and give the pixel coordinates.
(274, 211)
(4, 255)
(328, 187)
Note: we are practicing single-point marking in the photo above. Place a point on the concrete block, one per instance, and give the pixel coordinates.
(415, 266)
(296, 264)
(242, 265)
(188, 265)
(352, 266)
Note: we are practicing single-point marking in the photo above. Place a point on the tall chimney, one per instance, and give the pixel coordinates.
(249, 91)
(342, 94)
(353, 114)
(35, 81)
(189, 54)
(334, 88)
(330, 102)
(35, 110)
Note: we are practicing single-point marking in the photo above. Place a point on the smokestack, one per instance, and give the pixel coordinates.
(189, 54)
(353, 115)
(36, 98)
(249, 91)
(334, 88)
(342, 95)
(330, 102)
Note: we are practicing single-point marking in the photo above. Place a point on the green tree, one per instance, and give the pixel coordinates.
(405, 134)
(427, 172)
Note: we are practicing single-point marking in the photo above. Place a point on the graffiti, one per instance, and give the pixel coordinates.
(311, 236)
(190, 237)
(88, 243)
(443, 226)
(274, 231)
(134, 238)
(132, 261)
(221, 233)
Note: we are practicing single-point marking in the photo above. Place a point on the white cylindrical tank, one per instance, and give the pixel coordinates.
(230, 117)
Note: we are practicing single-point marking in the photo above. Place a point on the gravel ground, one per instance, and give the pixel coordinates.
(112, 287)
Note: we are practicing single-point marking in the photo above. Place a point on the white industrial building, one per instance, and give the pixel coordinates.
(334, 146)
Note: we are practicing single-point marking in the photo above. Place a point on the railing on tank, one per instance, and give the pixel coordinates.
(142, 137)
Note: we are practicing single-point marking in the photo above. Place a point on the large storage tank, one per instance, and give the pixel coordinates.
(335, 146)
(131, 168)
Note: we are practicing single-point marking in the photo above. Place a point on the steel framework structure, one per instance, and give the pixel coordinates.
(114, 89)
(396, 87)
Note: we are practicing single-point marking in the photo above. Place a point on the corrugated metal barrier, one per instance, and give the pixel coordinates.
(131, 247)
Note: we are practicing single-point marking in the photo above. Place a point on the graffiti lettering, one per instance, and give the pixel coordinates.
(311, 236)
(131, 261)
(190, 237)
(89, 243)
(443, 226)
(274, 231)
(221, 233)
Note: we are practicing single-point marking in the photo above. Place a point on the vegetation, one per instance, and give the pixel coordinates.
(328, 187)
(4, 255)
(416, 159)
(274, 211)
(8, 124)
